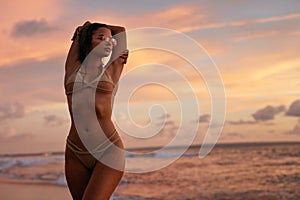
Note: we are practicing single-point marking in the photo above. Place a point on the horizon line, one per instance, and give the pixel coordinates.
(154, 148)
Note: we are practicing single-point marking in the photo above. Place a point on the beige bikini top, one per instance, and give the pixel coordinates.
(77, 83)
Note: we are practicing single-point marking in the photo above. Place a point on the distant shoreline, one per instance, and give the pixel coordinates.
(218, 145)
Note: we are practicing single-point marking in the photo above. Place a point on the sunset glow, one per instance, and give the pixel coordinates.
(254, 44)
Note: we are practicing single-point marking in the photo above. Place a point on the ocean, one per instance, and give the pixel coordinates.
(264, 171)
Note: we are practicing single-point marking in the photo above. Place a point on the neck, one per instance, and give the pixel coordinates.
(93, 63)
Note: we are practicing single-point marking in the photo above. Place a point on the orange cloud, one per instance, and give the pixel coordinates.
(280, 67)
(295, 33)
(255, 35)
(240, 23)
(174, 17)
(179, 16)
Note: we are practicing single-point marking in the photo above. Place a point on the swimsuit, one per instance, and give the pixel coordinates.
(76, 83)
(90, 158)
(106, 85)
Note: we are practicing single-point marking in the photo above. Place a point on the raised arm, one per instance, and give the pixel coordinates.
(72, 61)
(120, 52)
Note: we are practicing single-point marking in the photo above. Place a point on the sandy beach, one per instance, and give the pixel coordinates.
(13, 190)
(253, 172)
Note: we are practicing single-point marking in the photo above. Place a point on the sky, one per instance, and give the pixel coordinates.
(248, 49)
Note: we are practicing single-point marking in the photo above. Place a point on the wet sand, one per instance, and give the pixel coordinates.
(14, 190)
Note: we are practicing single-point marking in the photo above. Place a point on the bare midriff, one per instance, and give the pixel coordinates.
(92, 107)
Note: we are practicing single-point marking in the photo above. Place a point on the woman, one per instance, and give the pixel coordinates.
(90, 89)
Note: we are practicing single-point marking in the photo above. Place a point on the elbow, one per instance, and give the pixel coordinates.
(122, 29)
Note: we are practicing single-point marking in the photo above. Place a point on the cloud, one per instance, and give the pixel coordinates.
(166, 123)
(33, 80)
(241, 122)
(174, 16)
(31, 28)
(256, 35)
(169, 122)
(11, 111)
(169, 129)
(180, 15)
(268, 113)
(296, 129)
(295, 33)
(264, 114)
(204, 118)
(8, 133)
(165, 116)
(54, 120)
(294, 109)
(240, 23)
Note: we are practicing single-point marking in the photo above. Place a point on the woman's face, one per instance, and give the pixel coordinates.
(101, 42)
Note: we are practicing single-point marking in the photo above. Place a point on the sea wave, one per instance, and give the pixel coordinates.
(35, 168)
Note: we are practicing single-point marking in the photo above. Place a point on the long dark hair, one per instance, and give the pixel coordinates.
(85, 39)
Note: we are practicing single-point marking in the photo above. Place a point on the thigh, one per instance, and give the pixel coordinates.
(104, 179)
(77, 175)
